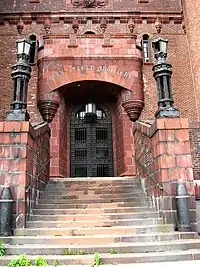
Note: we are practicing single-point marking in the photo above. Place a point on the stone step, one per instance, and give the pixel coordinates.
(84, 209)
(94, 180)
(92, 196)
(80, 231)
(94, 185)
(116, 259)
(97, 239)
(190, 263)
(97, 217)
(147, 247)
(96, 223)
(86, 191)
(131, 201)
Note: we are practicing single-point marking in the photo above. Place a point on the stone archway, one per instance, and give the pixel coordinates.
(65, 63)
(72, 97)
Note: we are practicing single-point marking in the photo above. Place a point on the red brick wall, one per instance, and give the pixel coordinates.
(191, 19)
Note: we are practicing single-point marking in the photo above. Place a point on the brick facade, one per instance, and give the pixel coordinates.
(111, 56)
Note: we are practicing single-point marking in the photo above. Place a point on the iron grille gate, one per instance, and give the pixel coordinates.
(91, 145)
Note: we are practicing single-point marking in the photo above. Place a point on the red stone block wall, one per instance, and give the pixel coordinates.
(163, 158)
(24, 164)
(124, 142)
(59, 141)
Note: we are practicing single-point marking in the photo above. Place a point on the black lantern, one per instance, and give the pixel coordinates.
(21, 74)
(90, 113)
(160, 46)
(162, 72)
(23, 48)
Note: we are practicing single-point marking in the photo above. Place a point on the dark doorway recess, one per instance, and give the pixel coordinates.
(91, 144)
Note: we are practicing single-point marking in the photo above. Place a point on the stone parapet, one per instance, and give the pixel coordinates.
(24, 164)
(163, 158)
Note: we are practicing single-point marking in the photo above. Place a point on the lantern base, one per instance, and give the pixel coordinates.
(170, 112)
(17, 115)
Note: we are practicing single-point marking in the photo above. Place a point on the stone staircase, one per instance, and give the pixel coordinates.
(77, 217)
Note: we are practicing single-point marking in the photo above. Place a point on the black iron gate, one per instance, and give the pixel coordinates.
(91, 145)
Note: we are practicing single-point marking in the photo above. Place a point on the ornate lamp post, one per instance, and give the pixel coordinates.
(162, 72)
(21, 74)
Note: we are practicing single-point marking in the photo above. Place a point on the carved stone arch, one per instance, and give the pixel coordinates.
(90, 27)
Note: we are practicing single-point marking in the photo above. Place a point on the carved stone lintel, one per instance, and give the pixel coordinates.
(48, 109)
(89, 3)
(133, 108)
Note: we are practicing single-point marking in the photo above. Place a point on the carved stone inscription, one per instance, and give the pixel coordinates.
(101, 68)
(89, 3)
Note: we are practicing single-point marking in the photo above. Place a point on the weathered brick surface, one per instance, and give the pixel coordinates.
(24, 164)
(163, 158)
(66, 5)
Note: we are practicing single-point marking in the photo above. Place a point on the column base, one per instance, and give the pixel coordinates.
(167, 113)
(17, 115)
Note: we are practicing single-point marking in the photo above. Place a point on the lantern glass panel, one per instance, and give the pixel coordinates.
(20, 47)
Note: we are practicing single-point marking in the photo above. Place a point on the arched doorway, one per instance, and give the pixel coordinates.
(91, 144)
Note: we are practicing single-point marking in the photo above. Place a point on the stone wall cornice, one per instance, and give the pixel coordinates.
(67, 17)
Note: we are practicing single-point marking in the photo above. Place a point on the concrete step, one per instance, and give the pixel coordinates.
(80, 231)
(127, 201)
(147, 247)
(116, 259)
(96, 239)
(97, 217)
(86, 209)
(95, 223)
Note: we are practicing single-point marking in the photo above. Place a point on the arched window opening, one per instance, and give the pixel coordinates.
(34, 44)
(146, 47)
(89, 32)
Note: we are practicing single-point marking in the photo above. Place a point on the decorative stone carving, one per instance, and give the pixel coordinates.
(75, 25)
(133, 107)
(20, 26)
(89, 3)
(158, 25)
(131, 25)
(47, 26)
(48, 109)
(103, 24)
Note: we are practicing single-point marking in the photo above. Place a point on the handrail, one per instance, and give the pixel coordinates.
(35, 177)
(152, 178)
